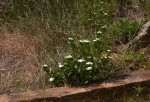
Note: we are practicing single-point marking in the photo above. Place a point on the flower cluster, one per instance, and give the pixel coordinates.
(81, 67)
(88, 60)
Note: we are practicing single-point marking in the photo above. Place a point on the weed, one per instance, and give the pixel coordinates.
(125, 30)
(87, 63)
(138, 90)
(132, 60)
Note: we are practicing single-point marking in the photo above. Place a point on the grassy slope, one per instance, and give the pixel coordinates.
(35, 33)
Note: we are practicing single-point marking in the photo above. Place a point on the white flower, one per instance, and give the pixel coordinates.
(70, 38)
(60, 65)
(51, 79)
(99, 32)
(80, 60)
(103, 27)
(81, 41)
(88, 68)
(84, 41)
(86, 82)
(97, 39)
(89, 63)
(106, 14)
(108, 50)
(45, 65)
(69, 56)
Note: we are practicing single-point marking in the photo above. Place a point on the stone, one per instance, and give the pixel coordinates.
(4, 98)
(142, 40)
(113, 88)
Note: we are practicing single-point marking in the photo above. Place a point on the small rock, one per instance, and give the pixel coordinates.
(142, 40)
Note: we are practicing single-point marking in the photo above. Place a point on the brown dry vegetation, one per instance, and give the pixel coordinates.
(19, 67)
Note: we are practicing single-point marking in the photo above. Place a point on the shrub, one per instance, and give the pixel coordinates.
(89, 60)
(87, 63)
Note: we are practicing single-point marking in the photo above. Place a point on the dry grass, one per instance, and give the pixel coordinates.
(19, 67)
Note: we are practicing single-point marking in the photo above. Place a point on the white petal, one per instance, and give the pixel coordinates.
(69, 56)
(106, 14)
(88, 68)
(89, 63)
(103, 26)
(108, 50)
(51, 79)
(45, 65)
(80, 60)
(84, 41)
(60, 65)
(99, 32)
(70, 38)
(97, 39)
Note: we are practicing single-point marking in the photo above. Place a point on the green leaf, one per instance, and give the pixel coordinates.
(46, 69)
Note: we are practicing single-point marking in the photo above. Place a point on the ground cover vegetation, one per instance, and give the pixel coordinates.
(77, 38)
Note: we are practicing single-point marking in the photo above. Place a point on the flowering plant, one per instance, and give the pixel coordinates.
(87, 63)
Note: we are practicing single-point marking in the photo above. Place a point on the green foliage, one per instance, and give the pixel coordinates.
(96, 13)
(138, 90)
(89, 60)
(124, 30)
(86, 64)
(134, 60)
